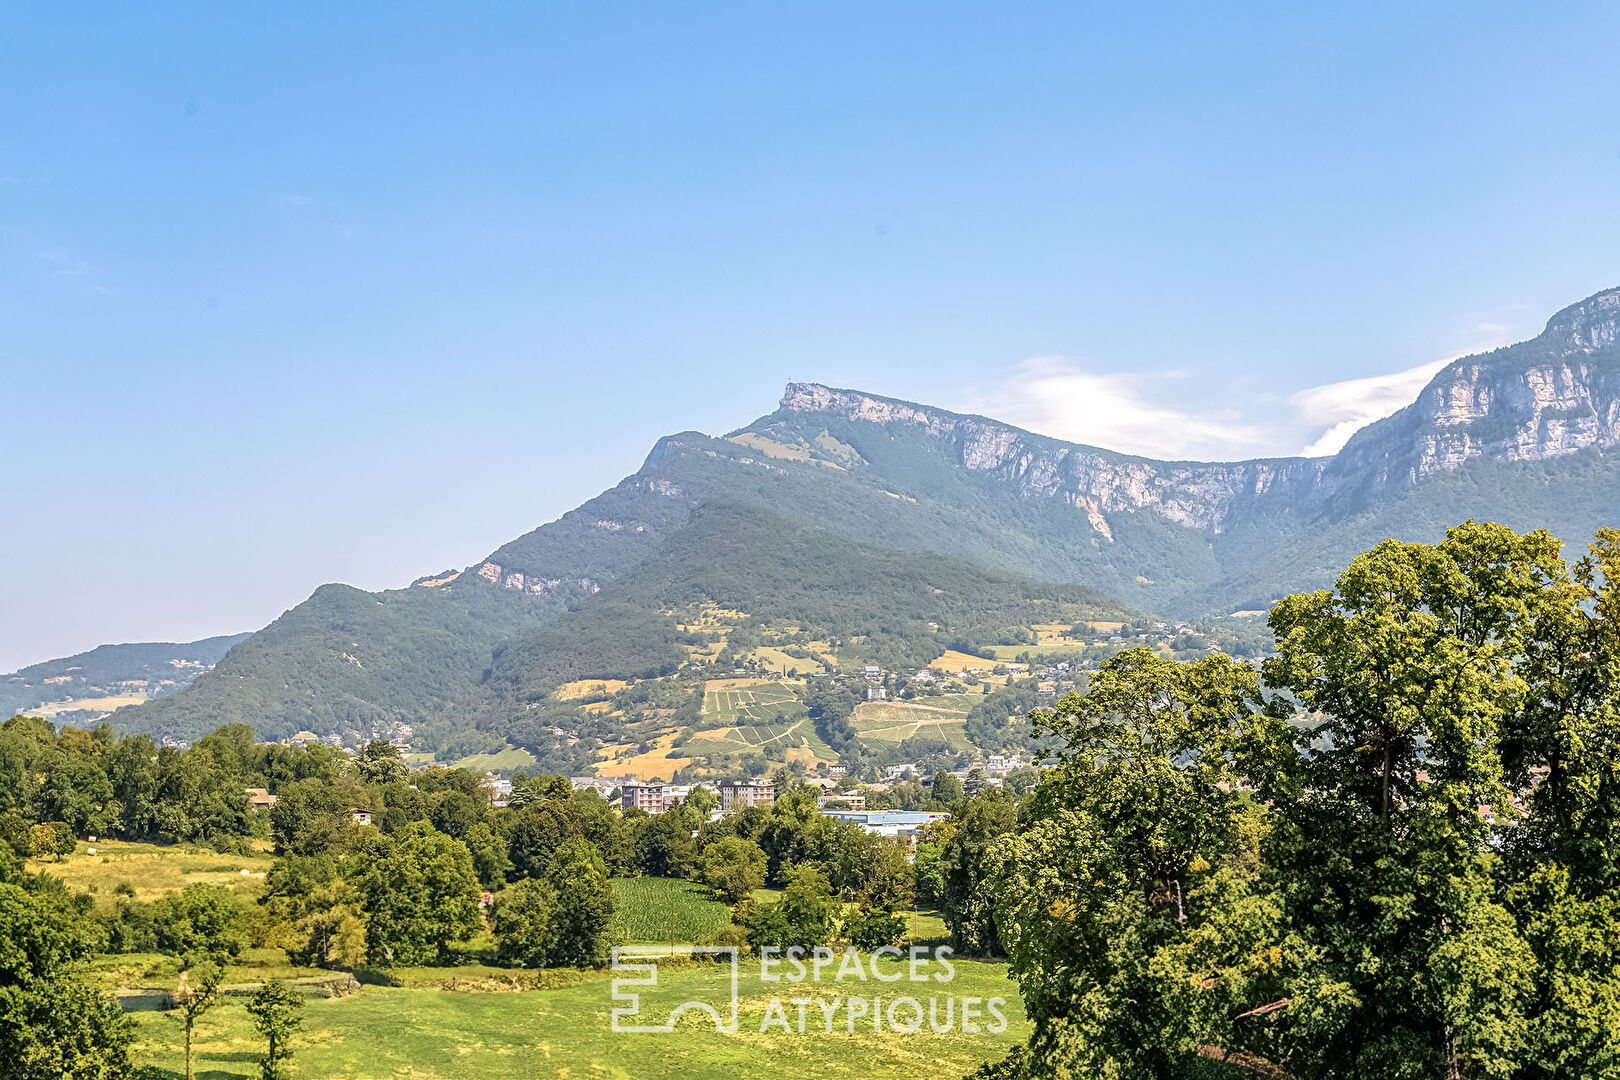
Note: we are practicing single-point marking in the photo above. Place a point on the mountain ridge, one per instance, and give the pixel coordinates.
(1517, 435)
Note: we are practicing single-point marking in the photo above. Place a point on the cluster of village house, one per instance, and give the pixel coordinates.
(1055, 679)
(654, 798)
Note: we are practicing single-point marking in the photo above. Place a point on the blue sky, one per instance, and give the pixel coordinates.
(292, 294)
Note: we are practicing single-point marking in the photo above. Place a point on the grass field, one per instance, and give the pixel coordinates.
(960, 661)
(777, 660)
(1009, 653)
(650, 910)
(512, 757)
(410, 1034)
(159, 971)
(655, 763)
(571, 691)
(155, 869)
(50, 710)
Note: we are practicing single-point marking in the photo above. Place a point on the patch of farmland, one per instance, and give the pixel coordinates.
(423, 1031)
(571, 691)
(653, 909)
(952, 660)
(512, 757)
(777, 660)
(654, 764)
(1007, 654)
(154, 869)
(762, 703)
(893, 721)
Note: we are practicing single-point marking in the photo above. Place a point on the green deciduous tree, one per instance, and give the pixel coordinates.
(523, 921)
(197, 992)
(51, 840)
(582, 929)
(805, 916)
(420, 894)
(947, 789)
(277, 1013)
(535, 834)
(200, 919)
(379, 762)
(1129, 903)
(734, 867)
(968, 899)
(1418, 663)
(52, 1025)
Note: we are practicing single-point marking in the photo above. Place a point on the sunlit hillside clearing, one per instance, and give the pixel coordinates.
(960, 661)
(777, 660)
(154, 869)
(513, 757)
(584, 688)
(627, 760)
(98, 705)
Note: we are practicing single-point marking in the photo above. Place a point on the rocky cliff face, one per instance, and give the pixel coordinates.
(1555, 394)
(1194, 494)
(1552, 395)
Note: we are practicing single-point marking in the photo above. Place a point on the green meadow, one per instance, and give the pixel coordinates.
(155, 869)
(414, 1034)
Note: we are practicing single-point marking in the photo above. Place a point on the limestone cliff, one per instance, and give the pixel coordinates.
(1555, 394)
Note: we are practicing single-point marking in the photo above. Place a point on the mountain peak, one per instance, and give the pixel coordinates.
(816, 397)
(853, 404)
(1590, 324)
(809, 397)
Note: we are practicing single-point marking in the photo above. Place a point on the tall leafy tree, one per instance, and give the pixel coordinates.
(1129, 903)
(53, 1026)
(582, 928)
(524, 923)
(733, 867)
(420, 894)
(968, 896)
(197, 992)
(1415, 663)
(380, 762)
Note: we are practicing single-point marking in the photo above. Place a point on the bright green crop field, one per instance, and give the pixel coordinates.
(414, 1034)
(649, 910)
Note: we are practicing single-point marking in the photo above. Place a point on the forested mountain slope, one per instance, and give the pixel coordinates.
(816, 512)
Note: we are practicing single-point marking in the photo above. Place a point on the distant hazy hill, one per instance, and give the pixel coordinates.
(895, 526)
(96, 682)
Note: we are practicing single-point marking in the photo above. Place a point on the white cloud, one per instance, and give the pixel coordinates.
(1136, 413)
(1339, 410)
(1057, 397)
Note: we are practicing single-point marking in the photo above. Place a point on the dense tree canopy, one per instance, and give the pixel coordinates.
(1410, 877)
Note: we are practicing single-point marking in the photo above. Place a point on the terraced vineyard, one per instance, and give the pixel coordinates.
(749, 702)
(894, 721)
(757, 715)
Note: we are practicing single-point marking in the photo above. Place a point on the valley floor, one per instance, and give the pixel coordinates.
(395, 1033)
